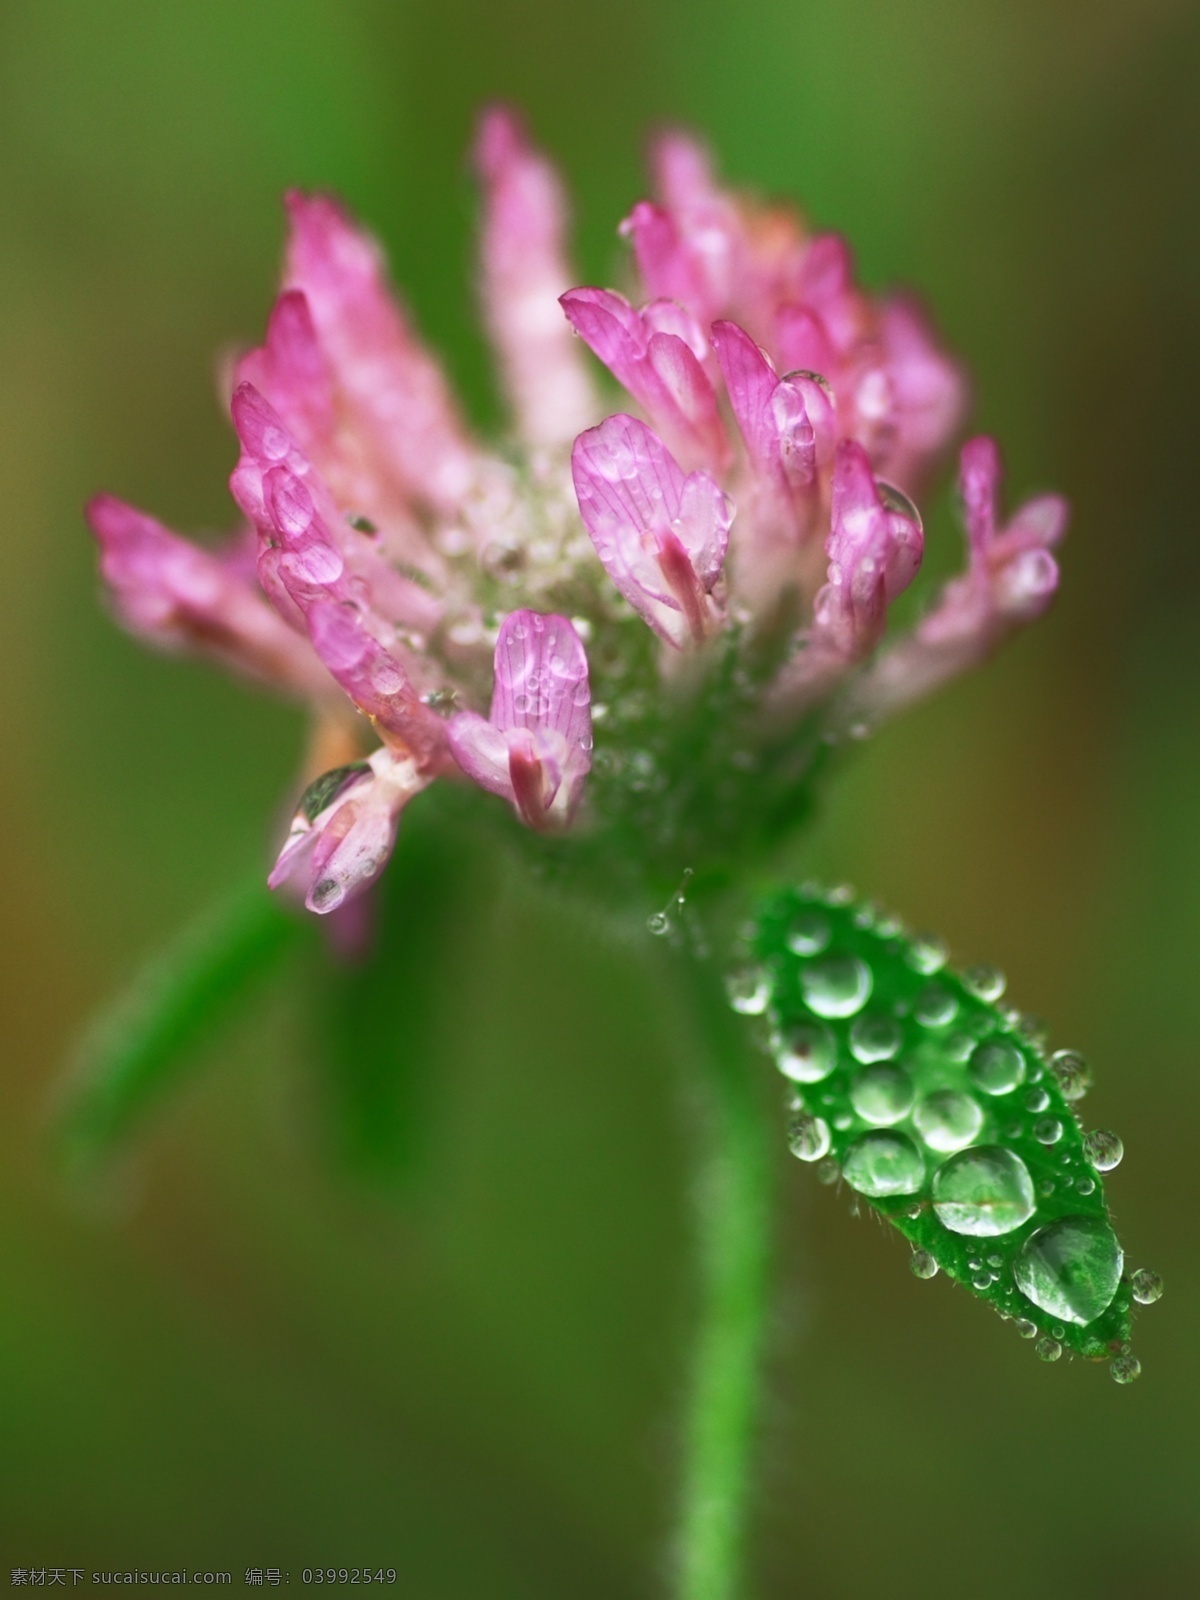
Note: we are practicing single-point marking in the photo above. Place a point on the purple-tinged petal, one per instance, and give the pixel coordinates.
(302, 560)
(333, 854)
(290, 371)
(929, 392)
(652, 352)
(1010, 580)
(391, 384)
(524, 270)
(776, 415)
(660, 534)
(177, 596)
(535, 748)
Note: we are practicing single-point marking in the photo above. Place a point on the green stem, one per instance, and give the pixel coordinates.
(733, 1238)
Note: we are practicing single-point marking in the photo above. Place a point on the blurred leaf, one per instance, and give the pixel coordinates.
(940, 1108)
(140, 1046)
(377, 1015)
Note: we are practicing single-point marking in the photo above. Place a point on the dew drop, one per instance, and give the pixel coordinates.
(879, 1164)
(1037, 1099)
(828, 1172)
(748, 991)
(808, 933)
(1045, 1187)
(1103, 1149)
(1071, 1268)
(1072, 1072)
(1125, 1368)
(327, 895)
(1048, 1349)
(935, 1006)
(947, 1120)
(983, 1192)
(1027, 1329)
(809, 1138)
(896, 500)
(875, 1037)
(923, 1264)
(984, 982)
(926, 954)
(658, 923)
(1147, 1286)
(1047, 1130)
(996, 1067)
(982, 1281)
(882, 1094)
(1086, 1185)
(840, 895)
(838, 986)
(807, 1052)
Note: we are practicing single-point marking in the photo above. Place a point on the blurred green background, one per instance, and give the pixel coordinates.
(240, 1357)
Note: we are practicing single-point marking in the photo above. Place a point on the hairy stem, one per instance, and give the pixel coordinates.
(733, 1239)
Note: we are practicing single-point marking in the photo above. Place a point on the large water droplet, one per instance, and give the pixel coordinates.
(947, 1120)
(984, 982)
(935, 1006)
(808, 933)
(748, 991)
(996, 1067)
(1103, 1149)
(923, 1264)
(807, 1052)
(879, 1164)
(838, 986)
(875, 1037)
(882, 1094)
(1071, 1268)
(809, 1138)
(1125, 1368)
(1072, 1072)
(983, 1192)
(1147, 1286)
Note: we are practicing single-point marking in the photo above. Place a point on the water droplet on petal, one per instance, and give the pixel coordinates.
(875, 1037)
(948, 1120)
(748, 991)
(923, 1264)
(882, 1094)
(1048, 1349)
(984, 982)
(997, 1067)
(896, 500)
(807, 1052)
(983, 1191)
(879, 1164)
(1071, 1268)
(1125, 1369)
(838, 986)
(1047, 1130)
(1103, 1149)
(808, 933)
(809, 1138)
(1072, 1072)
(1147, 1286)
(935, 1007)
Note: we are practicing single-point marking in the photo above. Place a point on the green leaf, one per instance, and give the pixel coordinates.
(142, 1043)
(376, 1018)
(914, 1086)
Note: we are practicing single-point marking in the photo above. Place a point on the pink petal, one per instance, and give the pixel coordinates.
(535, 748)
(391, 384)
(660, 369)
(524, 270)
(930, 392)
(180, 597)
(332, 857)
(291, 373)
(661, 535)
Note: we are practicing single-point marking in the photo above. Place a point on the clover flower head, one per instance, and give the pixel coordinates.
(696, 552)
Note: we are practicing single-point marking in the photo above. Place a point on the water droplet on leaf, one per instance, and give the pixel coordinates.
(984, 1191)
(875, 1038)
(879, 1164)
(1071, 1268)
(807, 1052)
(1048, 1349)
(1125, 1369)
(808, 933)
(1103, 1149)
(748, 991)
(997, 1067)
(984, 982)
(935, 1007)
(809, 1138)
(882, 1094)
(838, 986)
(1072, 1072)
(1147, 1286)
(923, 1264)
(948, 1120)
(926, 954)
(1047, 1130)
